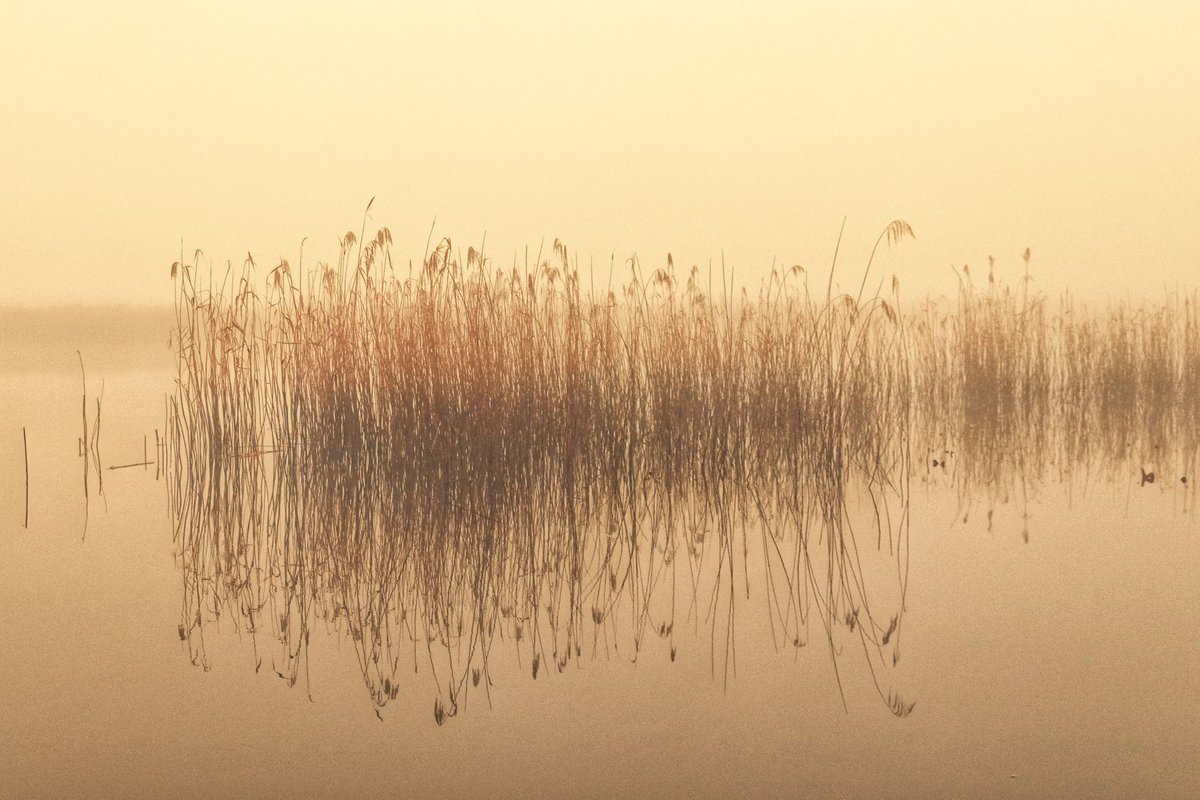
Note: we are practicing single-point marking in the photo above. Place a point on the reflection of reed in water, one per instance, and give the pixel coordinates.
(439, 464)
(434, 585)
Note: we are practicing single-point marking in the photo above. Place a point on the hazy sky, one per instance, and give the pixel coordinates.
(753, 128)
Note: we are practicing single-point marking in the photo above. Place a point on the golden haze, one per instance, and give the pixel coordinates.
(692, 128)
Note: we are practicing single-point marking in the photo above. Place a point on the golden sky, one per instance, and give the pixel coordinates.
(747, 128)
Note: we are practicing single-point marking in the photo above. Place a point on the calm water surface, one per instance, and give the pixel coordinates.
(1068, 665)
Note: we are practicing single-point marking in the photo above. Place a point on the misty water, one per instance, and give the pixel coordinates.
(255, 633)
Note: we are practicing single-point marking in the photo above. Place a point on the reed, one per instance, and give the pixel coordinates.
(1024, 394)
(25, 450)
(440, 460)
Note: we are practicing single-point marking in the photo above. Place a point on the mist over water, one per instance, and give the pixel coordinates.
(684, 511)
(462, 521)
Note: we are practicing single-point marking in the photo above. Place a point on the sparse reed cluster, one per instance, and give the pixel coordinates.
(1022, 391)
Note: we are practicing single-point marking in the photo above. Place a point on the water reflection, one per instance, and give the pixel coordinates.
(441, 582)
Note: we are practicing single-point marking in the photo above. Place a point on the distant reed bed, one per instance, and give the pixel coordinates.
(1022, 390)
(439, 460)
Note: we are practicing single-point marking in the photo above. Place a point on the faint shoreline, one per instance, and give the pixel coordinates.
(111, 337)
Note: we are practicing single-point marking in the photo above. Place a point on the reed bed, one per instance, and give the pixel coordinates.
(451, 459)
(1011, 392)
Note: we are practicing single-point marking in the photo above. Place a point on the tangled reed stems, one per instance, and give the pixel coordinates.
(467, 459)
